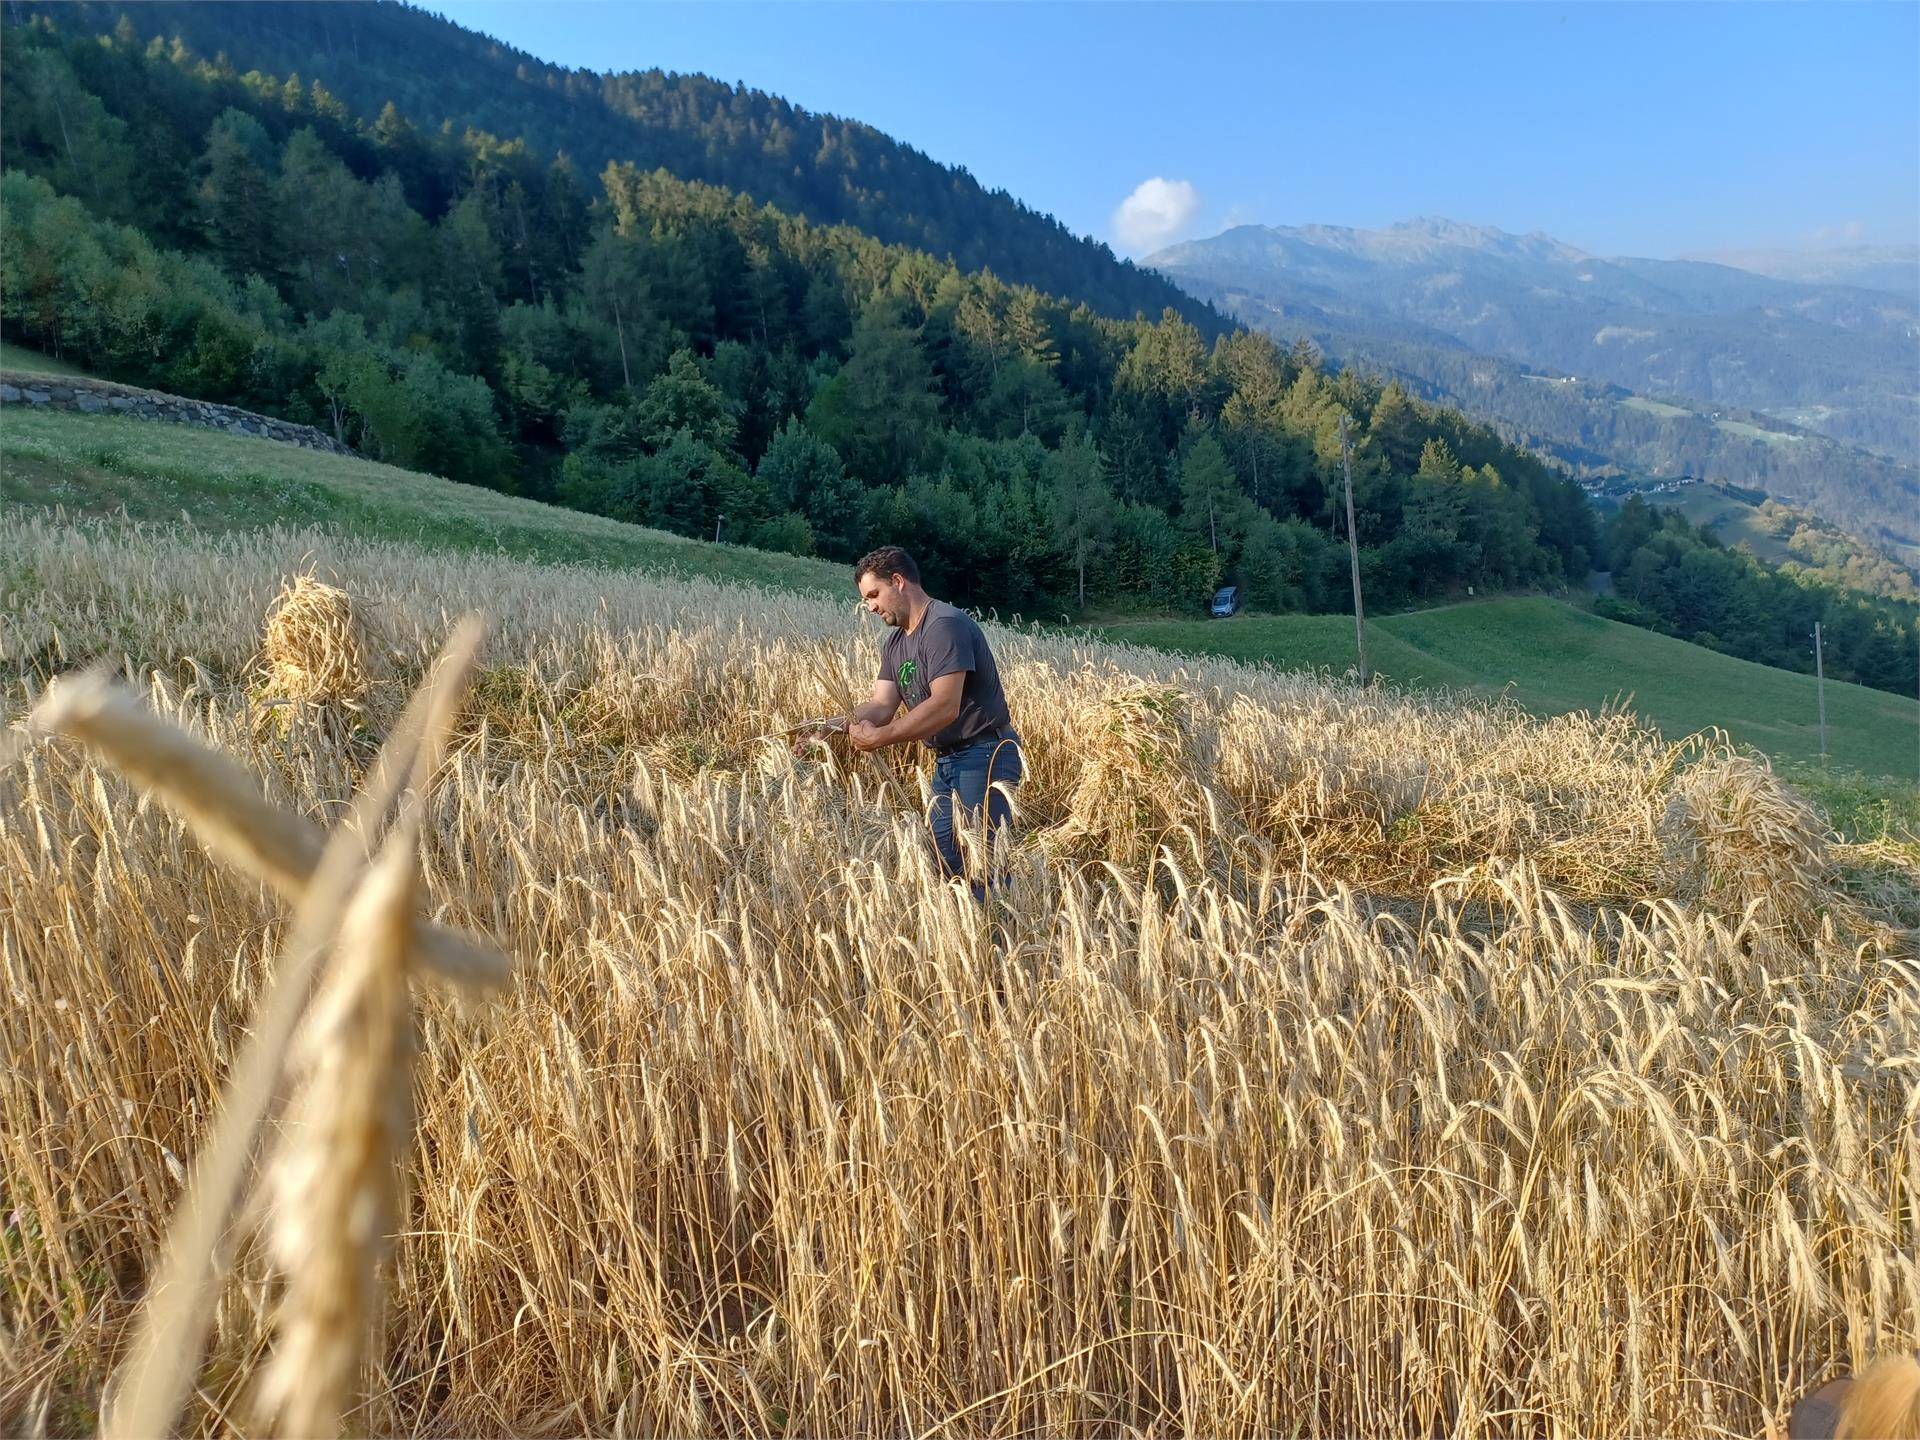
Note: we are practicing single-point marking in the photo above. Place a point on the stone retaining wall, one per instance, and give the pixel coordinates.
(103, 397)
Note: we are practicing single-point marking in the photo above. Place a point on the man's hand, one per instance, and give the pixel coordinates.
(808, 736)
(867, 736)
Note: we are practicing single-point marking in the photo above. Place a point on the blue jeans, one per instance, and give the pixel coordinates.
(961, 781)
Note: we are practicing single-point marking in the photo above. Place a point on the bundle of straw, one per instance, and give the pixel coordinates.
(1737, 839)
(1140, 782)
(315, 649)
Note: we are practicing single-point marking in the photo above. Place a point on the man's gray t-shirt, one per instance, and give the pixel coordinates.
(948, 640)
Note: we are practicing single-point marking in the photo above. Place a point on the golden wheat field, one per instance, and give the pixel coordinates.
(1332, 1063)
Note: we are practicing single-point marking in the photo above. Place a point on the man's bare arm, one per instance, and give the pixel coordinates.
(878, 708)
(939, 710)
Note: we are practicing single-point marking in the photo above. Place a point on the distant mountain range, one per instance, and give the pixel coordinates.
(1806, 390)
(1893, 268)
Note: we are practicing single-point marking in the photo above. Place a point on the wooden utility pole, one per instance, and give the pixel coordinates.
(620, 329)
(1820, 684)
(1353, 554)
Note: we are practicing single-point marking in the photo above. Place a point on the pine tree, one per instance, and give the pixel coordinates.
(1167, 360)
(804, 474)
(236, 197)
(1082, 504)
(1027, 328)
(469, 285)
(890, 404)
(561, 232)
(1210, 503)
(615, 283)
(1250, 368)
(1396, 431)
(681, 400)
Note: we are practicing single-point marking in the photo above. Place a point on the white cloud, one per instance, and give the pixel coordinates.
(1852, 230)
(1156, 212)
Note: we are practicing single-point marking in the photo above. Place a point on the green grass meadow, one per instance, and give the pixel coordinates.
(1734, 521)
(1553, 658)
(97, 465)
(1732, 427)
(1654, 407)
(32, 362)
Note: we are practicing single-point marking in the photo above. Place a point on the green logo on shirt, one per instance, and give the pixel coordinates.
(907, 671)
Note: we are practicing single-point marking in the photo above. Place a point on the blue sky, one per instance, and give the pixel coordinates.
(1624, 129)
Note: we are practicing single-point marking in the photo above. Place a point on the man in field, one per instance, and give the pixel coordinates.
(936, 662)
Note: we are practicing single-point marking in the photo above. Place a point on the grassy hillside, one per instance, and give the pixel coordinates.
(99, 464)
(1555, 658)
(32, 362)
(1782, 534)
(1732, 519)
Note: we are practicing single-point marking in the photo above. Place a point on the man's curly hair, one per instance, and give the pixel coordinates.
(886, 562)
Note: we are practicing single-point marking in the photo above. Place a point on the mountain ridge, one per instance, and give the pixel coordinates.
(1893, 268)
(828, 168)
(1794, 387)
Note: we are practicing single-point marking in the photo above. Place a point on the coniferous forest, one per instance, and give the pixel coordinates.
(738, 358)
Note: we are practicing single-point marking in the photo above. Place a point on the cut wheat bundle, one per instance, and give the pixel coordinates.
(315, 648)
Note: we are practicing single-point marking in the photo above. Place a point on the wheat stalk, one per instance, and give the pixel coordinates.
(152, 1387)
